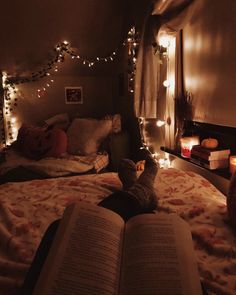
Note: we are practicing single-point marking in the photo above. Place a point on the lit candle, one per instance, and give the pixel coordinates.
(232, 164)
(186, 144)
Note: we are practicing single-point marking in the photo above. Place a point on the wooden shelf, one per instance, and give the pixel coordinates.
(220, 172)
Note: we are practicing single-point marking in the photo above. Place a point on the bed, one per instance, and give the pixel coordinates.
(66, 147)
(27, 208)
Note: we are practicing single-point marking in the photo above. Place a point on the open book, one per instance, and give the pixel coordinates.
(95, 252)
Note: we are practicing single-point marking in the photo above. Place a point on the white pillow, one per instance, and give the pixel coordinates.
(116, 122)
(85, 135)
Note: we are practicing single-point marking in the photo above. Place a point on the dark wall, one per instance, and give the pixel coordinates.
(30, 29)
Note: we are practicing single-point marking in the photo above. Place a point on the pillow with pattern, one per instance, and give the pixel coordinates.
(38, 142)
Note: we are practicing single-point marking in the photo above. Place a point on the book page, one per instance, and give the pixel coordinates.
(85, 255)
(158, 257)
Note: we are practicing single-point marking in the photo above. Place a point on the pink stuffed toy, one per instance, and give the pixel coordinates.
(37, 143)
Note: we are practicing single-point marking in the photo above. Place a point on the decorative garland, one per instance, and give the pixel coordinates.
(2, 130)
(133, 41)
(61, 50)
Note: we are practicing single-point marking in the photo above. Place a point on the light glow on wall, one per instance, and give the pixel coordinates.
(164, 40)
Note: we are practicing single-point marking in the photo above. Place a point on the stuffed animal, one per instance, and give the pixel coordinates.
(38, 142)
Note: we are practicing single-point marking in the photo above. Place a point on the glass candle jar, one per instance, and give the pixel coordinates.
(186, 144)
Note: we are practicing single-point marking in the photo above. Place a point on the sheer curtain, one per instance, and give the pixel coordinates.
(167, 16)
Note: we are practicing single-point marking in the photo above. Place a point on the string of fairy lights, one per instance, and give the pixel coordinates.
(162, 50)
(62, 51)
(133, 42)
(164, 162)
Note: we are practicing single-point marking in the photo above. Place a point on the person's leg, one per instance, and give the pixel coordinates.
(127, 173)
(138, 198)
(143, 190)
(122, 203)
(148, 176)
(39, 259)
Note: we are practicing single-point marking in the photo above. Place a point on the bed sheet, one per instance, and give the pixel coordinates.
(197, 201)
(67, 164)
(27, 208)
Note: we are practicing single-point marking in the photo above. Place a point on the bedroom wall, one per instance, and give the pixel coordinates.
(29, 33)
(209, 61)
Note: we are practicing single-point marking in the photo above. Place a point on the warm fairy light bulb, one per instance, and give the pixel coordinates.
(14, 129)
(160, 123)
(164, 163)
(66, 42)
(13, 120)
(164, 41)
(141, 120)
(4, 78)
(11, 90)
(166, 83)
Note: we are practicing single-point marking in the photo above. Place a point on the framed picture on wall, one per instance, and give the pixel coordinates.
(73, 95)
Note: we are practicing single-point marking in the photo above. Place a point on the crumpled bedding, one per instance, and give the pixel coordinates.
(27, 208)
(55, 167)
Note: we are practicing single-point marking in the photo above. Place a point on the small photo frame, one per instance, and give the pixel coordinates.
(73, 95)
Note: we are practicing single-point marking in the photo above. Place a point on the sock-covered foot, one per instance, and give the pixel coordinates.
(127, 173)
(143, 190)
(151, 166)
